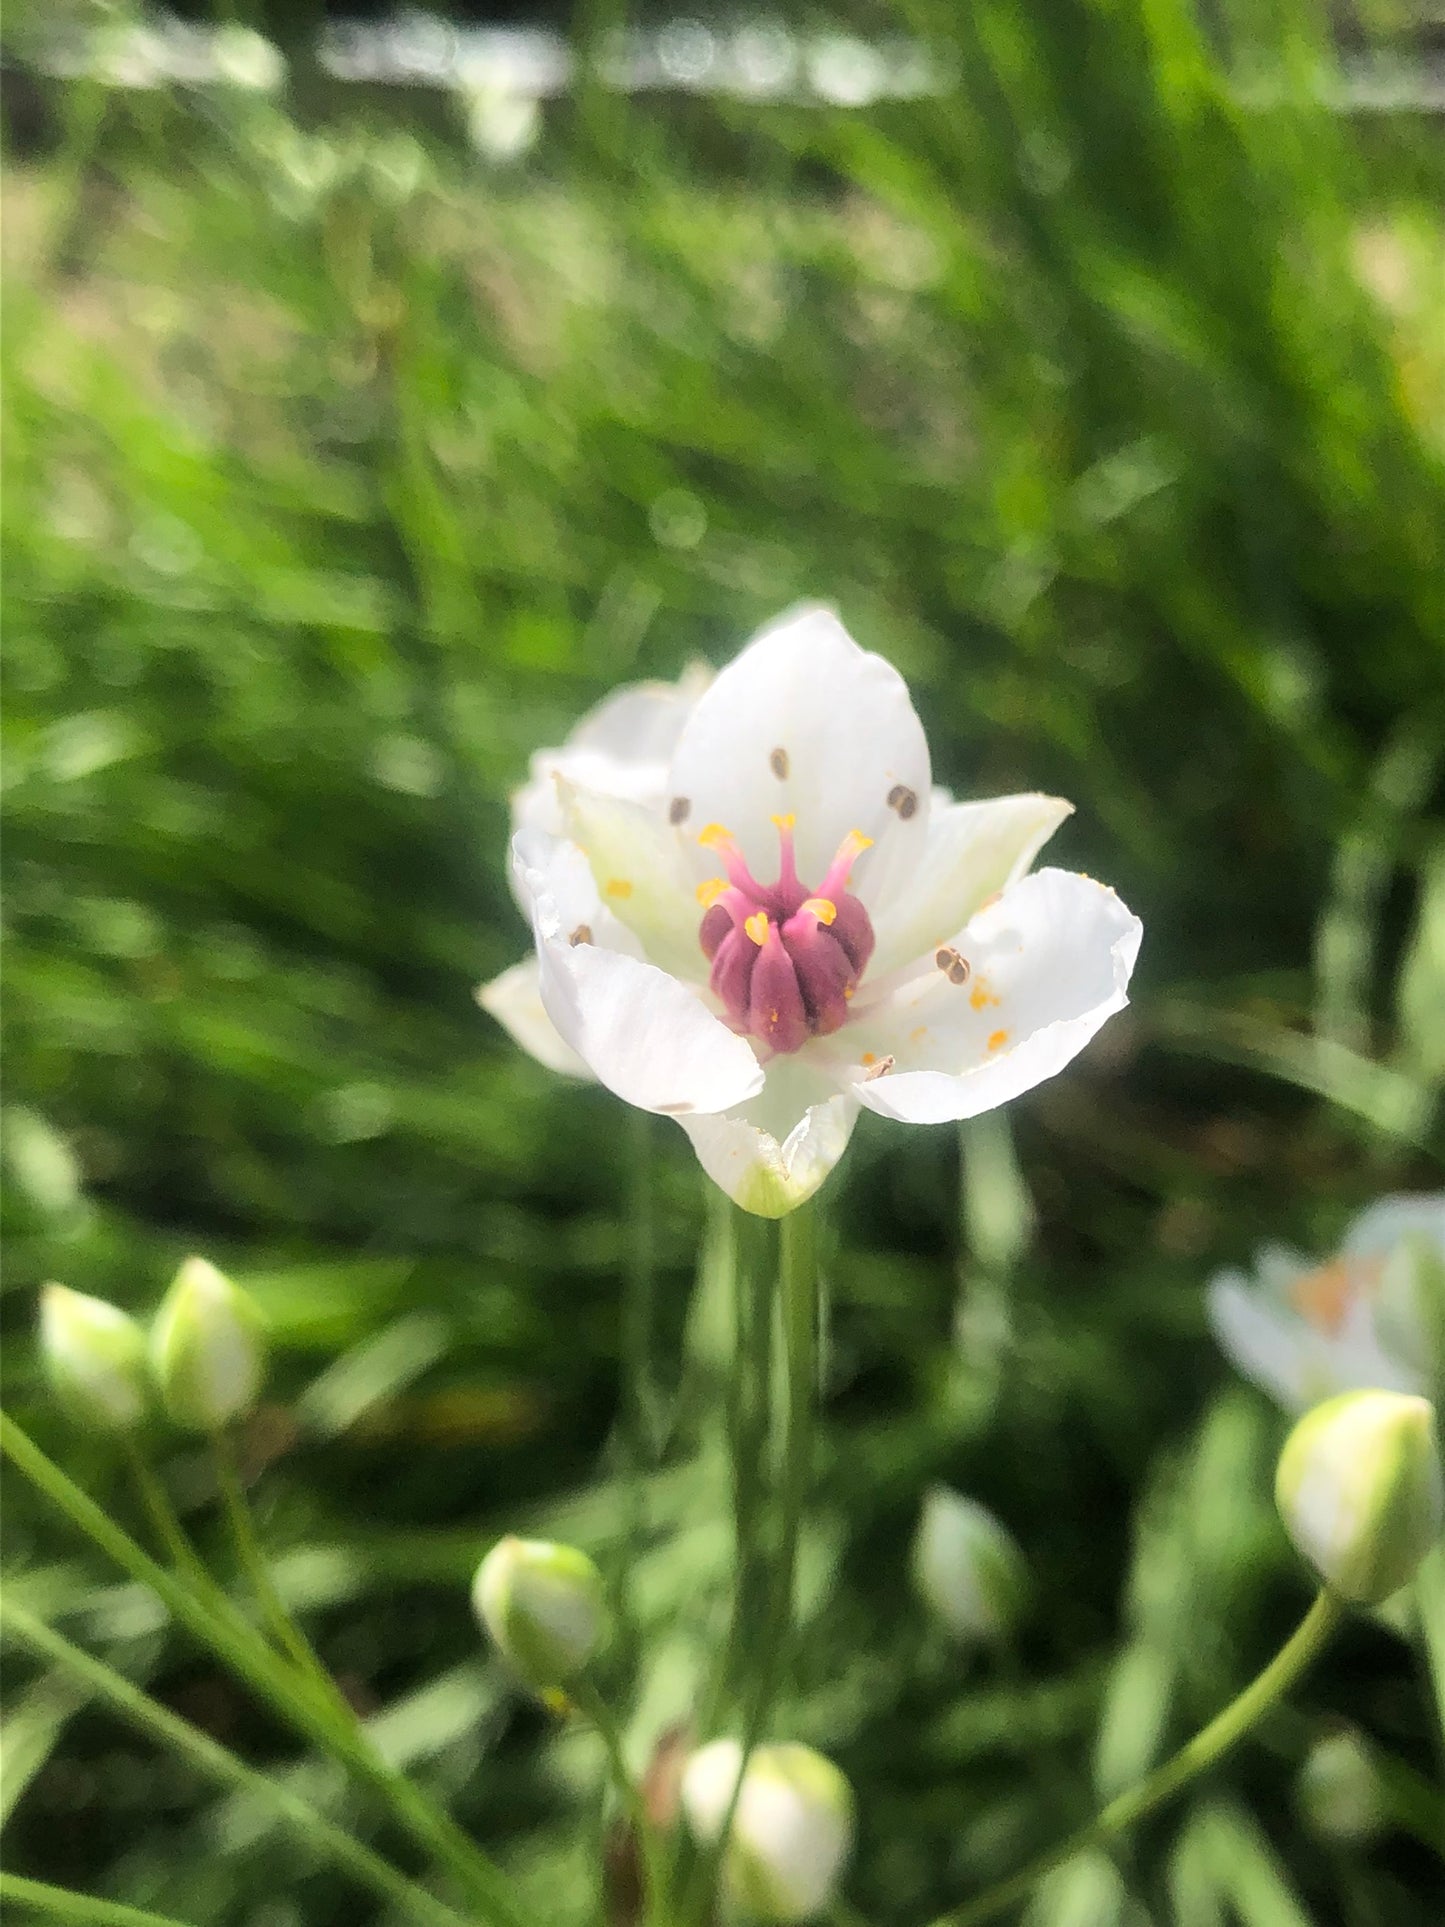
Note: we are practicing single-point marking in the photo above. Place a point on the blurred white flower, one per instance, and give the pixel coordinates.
(899, 958)
(968, 1568)
(792, 1829)
(1362, 1320)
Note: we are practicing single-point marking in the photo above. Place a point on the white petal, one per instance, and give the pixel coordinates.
(641, 722)
(1049, 961)
(515, 1000)
(804, 700)
(620, 748)
(1266, 1343)
(971, 852)
(772, 1154)
(1381, 1226)
(642, 875)
(643, 1034)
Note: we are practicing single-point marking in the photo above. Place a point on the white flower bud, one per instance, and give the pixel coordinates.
(1360, 1490)
(207, 1348)
(1339, 1790)
(544, 1607)
(95, 1359)
(967, 1568)
(792, 1827)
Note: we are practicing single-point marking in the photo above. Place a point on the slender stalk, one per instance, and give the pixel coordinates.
(217, 1763)
(800, 1344)
(1205, 1750)
(60, 1903)
(161, 1513)
(242, 1526)
(1430, 1603)
(210, 1619)
(751, 1253)
(655, 1872)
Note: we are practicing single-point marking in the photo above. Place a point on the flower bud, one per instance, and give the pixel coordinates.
(543, 1605)
(95, 1359)
(792, 1827)
(1360, 1490)
(1339, 1790)
(207, 1348)
(967, 1568)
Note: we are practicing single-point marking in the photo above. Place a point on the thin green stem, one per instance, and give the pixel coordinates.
(209, 1617)
(752, 1264)
(61, 1903)
(1196, 1756)
(217, 1763)
(242, 1526)
(1430, 1604)
(161, 1513)
(655, 1872)
(799, 1280)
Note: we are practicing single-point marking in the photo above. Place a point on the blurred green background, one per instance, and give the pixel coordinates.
(1104, 392)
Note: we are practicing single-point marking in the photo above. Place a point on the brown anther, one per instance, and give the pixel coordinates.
(582, 934)
(954, 967)
(778, 764)
(678, 808)
(675, 1110)
(903, 800)
(880, 1069)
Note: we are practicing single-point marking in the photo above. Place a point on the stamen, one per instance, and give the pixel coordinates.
(954, 966)
(757, 927)
(903, 800)
(677, 810)
(778, 764)
(582, 934)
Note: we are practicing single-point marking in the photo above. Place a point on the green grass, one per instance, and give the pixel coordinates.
(341, 473)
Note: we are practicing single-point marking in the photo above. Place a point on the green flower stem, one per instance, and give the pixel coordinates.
(1430, 1603)
(60, 1903)
(284, 1630)
(217, 1763)
(1196, 1756)
(294, 1699)
(799, 1280)
(586, 1696)
(162, 1514)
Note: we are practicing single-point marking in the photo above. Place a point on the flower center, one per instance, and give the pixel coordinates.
(785, 960)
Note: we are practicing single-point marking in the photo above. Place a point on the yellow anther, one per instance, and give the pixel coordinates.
(757, 927)
(788, 822)
(998, 1040)
(709, 892)
(620, 887)
(823, 908)
(715, 835)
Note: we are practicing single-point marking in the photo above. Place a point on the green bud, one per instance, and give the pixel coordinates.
(207, 1348)
(1360, 1490)
(544, 1607)
(792, 1828)
(968, 1570)
(1339, 1790)
(95, 1359)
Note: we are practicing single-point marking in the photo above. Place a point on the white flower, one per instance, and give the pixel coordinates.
(1358, 1322)
(753, 912)
(792, 1829)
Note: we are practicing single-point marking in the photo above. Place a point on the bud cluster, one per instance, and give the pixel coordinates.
(203, 1361)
